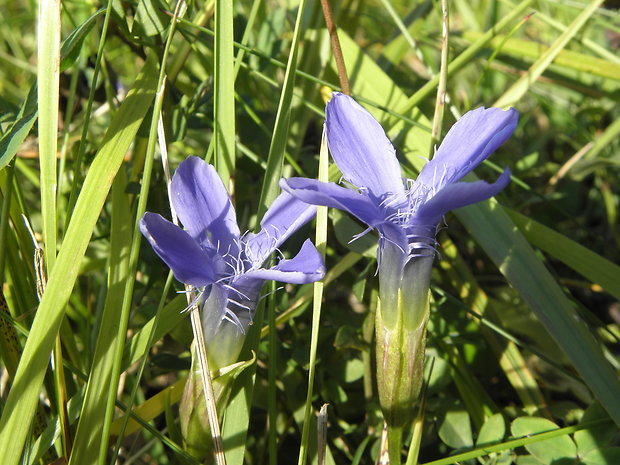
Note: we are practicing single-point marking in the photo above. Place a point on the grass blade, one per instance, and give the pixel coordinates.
(224, 120)
(321, 245)
(515, 258)
(48, 73)
(22, 400)
(280, 131)
(87, 438)
(581, 259)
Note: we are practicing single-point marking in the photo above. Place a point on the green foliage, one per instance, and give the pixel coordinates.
(524, 328)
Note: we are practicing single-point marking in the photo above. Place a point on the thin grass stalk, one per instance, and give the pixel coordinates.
(517, 442)
(280, 132)
(62, 398)
(272, 405)
(182, 53)
(443, 77)
(246, 36)
(417, 429)
(330, 23)
(498, 49)
(321, 245)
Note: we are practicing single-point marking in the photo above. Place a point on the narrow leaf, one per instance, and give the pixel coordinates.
(22, 400)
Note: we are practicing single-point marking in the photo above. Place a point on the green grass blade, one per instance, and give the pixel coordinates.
(515, 258)
(522, 48)
(519, 88)
(463, 59)
(22, 400)
(280, 131)
(88, 437)
(321, 245)
(224, 83)
(514, 443)
(71, 46)
(237, 415)
(12, 139)
(581, 259)
(48, 77)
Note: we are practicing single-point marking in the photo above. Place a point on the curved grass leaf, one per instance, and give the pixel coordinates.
(515, 258)
(21, 403)
(581, 259)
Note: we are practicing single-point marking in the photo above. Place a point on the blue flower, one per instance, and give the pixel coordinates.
(212, 255)
(406, 214)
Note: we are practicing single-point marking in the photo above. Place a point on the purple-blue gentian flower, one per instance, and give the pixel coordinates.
(406, 213)
(225, 266)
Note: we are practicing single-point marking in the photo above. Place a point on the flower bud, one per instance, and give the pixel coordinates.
(193, 410)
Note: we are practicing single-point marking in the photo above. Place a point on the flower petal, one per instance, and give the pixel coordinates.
(360, 147)
(306, 267)
(459, 195)
(334, 196)
(203, 204)
(470, 141)
(285, 216)
(189, 262)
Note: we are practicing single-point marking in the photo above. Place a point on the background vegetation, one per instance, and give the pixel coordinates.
(524, 329)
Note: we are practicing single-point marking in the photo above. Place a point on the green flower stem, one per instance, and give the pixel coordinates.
(400, 366)
(195, 425)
